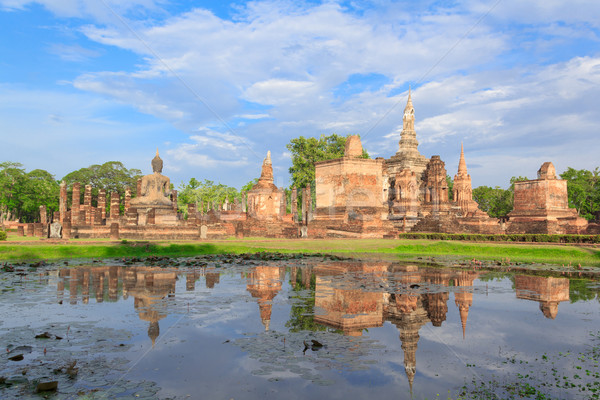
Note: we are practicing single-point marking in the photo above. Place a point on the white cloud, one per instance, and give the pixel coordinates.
(273, 72)
(73, 53)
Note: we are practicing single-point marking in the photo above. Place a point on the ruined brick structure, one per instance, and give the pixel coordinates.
(354, 197)
(541, 206)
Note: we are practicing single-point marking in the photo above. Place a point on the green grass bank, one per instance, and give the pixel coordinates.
(404, 248)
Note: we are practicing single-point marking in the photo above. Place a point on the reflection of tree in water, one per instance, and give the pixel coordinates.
(302, 314)
(581, 290)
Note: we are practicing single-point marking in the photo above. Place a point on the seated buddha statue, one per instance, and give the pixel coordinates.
(155, 188)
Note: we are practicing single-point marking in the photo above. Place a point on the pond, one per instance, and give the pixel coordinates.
(244, 327)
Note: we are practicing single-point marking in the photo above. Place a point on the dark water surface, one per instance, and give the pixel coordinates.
(295, 329)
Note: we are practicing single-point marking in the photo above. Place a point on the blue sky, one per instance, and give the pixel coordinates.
(215, 84)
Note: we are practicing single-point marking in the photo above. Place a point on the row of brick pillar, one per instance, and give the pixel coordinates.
(87, 214)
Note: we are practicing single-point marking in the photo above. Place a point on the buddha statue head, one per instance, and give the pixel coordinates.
(157, 163)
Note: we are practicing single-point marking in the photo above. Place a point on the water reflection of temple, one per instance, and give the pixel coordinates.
(264, 283)
(548, 291)
(409, 307)
(147, 285)
(349, 310)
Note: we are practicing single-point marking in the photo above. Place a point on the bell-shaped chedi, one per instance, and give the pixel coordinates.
(548, 291)
(541, 206)
(408, 156)
(264, 199)
(264, 283)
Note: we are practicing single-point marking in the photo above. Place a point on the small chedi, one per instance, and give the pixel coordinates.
(353, 197)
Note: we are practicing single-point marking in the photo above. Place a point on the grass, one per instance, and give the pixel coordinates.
(82, 248)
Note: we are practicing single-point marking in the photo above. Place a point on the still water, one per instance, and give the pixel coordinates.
(303, 328)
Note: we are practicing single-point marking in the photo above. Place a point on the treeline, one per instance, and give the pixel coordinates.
(22, 192)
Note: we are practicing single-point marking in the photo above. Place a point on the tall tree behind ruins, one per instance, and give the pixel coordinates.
(306, 151)
(111, 176)
(584, 191)
(22, 193)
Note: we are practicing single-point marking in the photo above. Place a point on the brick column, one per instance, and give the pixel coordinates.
(138, 188)
(66, 230)
(76, 204)
(87, 204)
(43, 215)
(127, 199)
(30, 230)
(62, 202)
(20, 230)
(192, 213)
(97, 214)
(102, 203)
(114, 206)
(295, 204)
(38, 230)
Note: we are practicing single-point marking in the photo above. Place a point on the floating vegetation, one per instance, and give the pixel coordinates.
(544, 378)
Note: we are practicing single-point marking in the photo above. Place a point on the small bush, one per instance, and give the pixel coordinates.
(2, 235)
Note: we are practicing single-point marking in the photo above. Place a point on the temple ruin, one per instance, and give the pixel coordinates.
(354, 197)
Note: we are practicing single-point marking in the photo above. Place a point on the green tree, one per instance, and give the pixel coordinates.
(22, 193)
(583, 188)
(497, 202)
(111, 176)
(39, 188)
(204, 192)
(450, 183)
(307, 151)
(12, 175)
